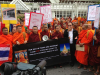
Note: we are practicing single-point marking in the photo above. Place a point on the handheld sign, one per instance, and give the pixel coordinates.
(46, 10)
(35, 20)
(97, 18)
(91, 12)
(27, 15)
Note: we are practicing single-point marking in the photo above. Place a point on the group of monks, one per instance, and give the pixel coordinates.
(21, 35)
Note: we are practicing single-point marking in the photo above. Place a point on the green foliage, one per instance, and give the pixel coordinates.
(20, 16)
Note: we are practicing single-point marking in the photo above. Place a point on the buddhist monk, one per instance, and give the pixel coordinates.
(82, 20)
(79, 18)
(90, 28)
(19, 37)
(35, 36)
(70, 19)
(22, 25)
(28, 32)
(76, 27)
(64, 27)
(57, 34)
(84, 39)
(6, 39)
(45, 32)
(13, 31)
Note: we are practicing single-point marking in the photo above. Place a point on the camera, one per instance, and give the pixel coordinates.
(9, 68)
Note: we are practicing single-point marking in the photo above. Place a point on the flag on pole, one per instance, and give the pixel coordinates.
(4, 53)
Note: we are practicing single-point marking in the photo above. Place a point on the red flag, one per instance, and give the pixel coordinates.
(1, 26)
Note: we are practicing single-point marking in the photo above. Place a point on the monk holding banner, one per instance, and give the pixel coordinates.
(45, 32)
(19, 37)
(85, 37)
(35, 36)
(6, 39)
(57, 34)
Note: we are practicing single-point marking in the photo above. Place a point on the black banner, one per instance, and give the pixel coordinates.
(53, 51)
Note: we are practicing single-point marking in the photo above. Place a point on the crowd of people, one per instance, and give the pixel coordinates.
(79, 31)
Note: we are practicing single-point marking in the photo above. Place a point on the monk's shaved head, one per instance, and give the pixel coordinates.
(35, 26)
(19, 29)
(5, 31)
(89, 26)
(35, 29)
(4, 28)
(45, 27)
(85, 26)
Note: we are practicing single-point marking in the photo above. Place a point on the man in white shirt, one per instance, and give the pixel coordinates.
(72, 35)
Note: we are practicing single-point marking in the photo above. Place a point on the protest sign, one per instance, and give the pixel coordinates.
(97, 17)
(91, 12)
(53, 51)
(46, 10)
(27, 15)
(35, 20)
(37, 11)
(8, 12)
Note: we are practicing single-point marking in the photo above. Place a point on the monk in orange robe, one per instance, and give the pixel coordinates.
(90, 28)
(84, 39)
(57, 34)
(6, 39)
(74, 20)
(22, 25)
(19, 37)
(28, 32)
(45, 32)
(35, 36)
(76, 27)
(82, 20)
(79, 18)
(64, 27)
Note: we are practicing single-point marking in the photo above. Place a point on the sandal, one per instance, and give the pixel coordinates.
(97, 73)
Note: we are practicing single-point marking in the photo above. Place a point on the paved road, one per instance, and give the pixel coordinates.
(67, 70)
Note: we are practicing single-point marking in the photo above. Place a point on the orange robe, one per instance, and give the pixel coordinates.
(19, 37)
(92, 31)
(89, 22)
(7, 39)
(28, 34)
(74, 20)
(79, 29)
(82, 56)
(79, 18)
(23, 28)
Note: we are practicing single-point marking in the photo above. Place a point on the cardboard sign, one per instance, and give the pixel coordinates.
(27, 15)
(37, 11)
(91, 12)
(35, 20)
(46, 10)
(8, 12)
(97, 17)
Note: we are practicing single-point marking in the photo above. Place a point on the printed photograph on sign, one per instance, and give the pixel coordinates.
(21, 56)
(65, 49)
(8, 13)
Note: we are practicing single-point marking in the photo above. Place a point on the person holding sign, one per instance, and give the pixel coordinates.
(35, 36)
(72, 34)
(85, 37)
(94, 53)
(45, 32)
(19, 37)
(57, 34)
(7, 39)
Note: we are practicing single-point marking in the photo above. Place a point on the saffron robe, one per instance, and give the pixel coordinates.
(7, 40)
(56, 34)
(82, 56)
(79, 18)
(34, 37)
(19, 37)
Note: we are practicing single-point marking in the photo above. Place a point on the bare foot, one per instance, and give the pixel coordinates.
(97, 73)
(85, 68)
(79, 66)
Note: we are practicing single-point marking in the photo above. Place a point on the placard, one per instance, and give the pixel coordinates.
(37, 11)
(27, 15)
(8, 12)
(46, 10)
(97, 18)
(35, 20)
(53, 51)
(91, 12)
